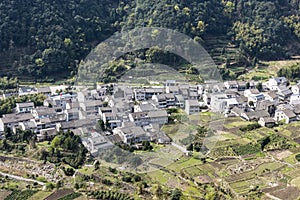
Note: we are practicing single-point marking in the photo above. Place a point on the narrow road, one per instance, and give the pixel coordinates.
(19, 178)
(181, 148)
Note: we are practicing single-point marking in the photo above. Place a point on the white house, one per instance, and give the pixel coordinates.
(24, 107)
(28, 125)
(218, 102)
(144, 107)
(172, 89)
(131, 134)
(272, 96)
(274, 82)
(25, 90)
(295, 99)
(256, 98)
(179, 101)
(11, 120)
(249, 92)
(151, 117)
(96, 143)
(296, 89)
(267, 122)
(139, 94)
(285, 115)
(283, 92)
(231, 85)
(71, 114)
(192, 107)
(158, 117)
(242, 85)
(161, 100)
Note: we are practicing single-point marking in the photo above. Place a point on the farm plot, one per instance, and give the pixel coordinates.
(59, 194)
(164, 156)
(203, 118)
(199, 170)
(260, 170)
(296, 182)
(4, 194)
(243, 187)
(234, 123)
(178, 132)
(40, 195)
(184, 162)
(258, 134)
(293, 174)
(20, 195)
(289, 193)
(230, 142)
(243, 183)
(161, 176)
(291, 130)
(71, 196)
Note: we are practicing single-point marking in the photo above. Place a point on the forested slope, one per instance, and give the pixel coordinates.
(46, 39)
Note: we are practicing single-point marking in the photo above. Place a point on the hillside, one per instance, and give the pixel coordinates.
(45, 40)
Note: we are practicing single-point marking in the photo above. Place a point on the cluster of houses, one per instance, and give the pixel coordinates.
(273, 102)
(135, 114)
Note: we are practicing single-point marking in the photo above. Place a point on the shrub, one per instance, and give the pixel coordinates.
(297, 157)
(250, 127)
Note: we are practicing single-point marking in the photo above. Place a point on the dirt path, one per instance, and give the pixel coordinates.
(19, 178)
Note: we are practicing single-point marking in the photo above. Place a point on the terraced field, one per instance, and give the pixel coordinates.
(59, 194)
(20, 195)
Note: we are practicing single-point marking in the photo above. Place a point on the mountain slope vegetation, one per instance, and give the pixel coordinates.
(46, 40)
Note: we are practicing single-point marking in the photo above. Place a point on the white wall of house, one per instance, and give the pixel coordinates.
(296, 89)
(295, 99)
(280, 116)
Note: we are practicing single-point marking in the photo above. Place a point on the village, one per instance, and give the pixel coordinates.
(111, 114)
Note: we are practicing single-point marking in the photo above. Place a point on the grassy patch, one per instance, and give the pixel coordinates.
(192, 191)
(195, 171)
(293, 173)
(202, 118)
(296, 182)
(243, 187)
(267, 70)
(160, 176)
(236, 124)
(184, 163)
(86, 170)
(265, 167)
(290, 159)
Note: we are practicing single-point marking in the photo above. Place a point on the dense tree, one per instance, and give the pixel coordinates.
(67, 148)
(291, 72)
(46, 40)
(176, 194)
(7, 105)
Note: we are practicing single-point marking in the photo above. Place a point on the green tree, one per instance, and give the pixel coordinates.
(259, 86)
(176, 194)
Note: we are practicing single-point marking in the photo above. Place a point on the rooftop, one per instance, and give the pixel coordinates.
(289, 113)
(193, 103)
(157, 113)
(25, 105)
(44, 90)
(15, 118)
